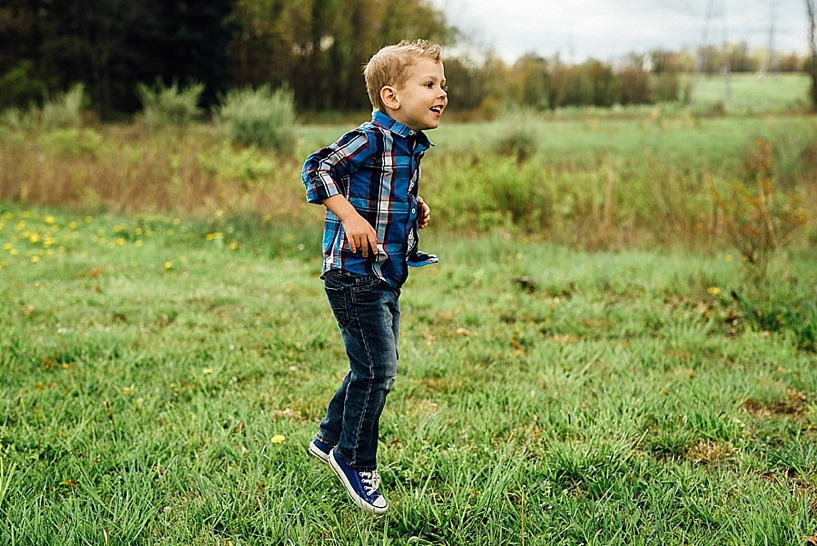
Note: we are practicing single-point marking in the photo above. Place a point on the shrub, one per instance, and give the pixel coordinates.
(65, 110)
(14, 118)
(517, 134)
(759, 222)
(71, 142)
(169, 106)
(247, 166)
(259, 117)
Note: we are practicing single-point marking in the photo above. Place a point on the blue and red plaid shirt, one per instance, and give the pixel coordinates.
(377, 168)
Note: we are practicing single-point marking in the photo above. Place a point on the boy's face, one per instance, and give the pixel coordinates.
(421, 101)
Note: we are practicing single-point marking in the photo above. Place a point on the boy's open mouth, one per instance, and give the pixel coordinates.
(437, 109)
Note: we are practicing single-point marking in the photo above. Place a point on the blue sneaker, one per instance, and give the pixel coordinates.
(320, 450)
(362, 486)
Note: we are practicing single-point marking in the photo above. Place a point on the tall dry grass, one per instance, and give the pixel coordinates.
(130, 169)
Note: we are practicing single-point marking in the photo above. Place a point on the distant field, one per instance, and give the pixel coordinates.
(748, 94)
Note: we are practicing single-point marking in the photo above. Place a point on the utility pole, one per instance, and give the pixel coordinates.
(770, 62)
(726, 69)
(714, 8)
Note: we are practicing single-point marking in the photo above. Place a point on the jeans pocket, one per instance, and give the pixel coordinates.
(338, 302)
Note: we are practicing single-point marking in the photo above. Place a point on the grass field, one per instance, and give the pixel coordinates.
(749, 94)
(162, 377)
(166, 349)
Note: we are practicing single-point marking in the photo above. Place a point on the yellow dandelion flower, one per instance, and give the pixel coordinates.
(138, 231)
(182, 258)
(49, 219)
(35, 259)
(138, 243)
(233, 246)
(714, 290)
(168, 265)
(208, 371)
(176, 221)
(73, 225)
(89, 219)
(8, 246)
(278, 439)
(13, 251)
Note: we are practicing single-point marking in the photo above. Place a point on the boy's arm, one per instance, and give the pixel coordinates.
(359, 232)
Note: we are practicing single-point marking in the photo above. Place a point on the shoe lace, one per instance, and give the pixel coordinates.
(370, 481)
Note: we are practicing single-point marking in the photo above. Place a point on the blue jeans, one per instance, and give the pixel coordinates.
(367, 311)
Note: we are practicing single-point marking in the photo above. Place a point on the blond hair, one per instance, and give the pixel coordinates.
(389, 66)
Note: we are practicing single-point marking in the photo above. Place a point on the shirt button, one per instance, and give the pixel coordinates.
(413, 211)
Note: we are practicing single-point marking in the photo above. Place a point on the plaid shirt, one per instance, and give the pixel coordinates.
(377, 168)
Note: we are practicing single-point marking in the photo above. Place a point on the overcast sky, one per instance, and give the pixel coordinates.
(608, 29)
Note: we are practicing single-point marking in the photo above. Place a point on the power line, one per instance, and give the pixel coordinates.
(715, 9)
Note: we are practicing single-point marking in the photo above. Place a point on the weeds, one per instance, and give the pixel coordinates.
(760, 222)
(169, 106)
(594, 184)
(65, 110)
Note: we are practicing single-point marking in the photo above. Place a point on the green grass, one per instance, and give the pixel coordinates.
(614, 398)
(748, 94)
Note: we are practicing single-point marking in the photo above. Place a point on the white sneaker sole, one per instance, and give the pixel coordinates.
(351, 491)
(317, 453)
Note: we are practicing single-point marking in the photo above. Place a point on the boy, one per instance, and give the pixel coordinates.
(368, 181)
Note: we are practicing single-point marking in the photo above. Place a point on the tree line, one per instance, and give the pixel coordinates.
(314, 48)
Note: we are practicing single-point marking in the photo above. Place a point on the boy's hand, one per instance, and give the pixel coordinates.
(423, 213)
(360, 233)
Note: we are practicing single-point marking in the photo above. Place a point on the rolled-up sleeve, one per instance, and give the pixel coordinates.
(326, 171)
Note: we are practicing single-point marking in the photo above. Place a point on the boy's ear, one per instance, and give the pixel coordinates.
(389, 98)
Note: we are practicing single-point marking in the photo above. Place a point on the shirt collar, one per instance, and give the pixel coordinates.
(395, 126)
